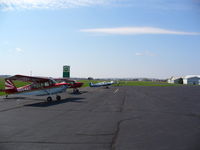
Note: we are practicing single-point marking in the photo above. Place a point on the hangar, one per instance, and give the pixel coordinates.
(176, 80)
(192, 80)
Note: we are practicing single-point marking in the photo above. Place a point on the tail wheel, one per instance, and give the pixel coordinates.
(49, 99)
(58, 98)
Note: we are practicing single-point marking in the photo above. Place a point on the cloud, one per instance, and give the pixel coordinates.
(7, 5)
(145, 53)
(18, 50)
(137, 31)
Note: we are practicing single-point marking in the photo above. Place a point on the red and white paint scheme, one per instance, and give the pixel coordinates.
(9, 86)
(71, 83)
(38, 86)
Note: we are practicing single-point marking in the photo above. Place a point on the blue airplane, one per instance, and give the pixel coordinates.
(106, 84)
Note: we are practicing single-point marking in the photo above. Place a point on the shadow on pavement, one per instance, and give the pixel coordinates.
(78, 93)
(14, 98)
(47, 104)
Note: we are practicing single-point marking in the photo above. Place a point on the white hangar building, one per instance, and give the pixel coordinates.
(192, 80)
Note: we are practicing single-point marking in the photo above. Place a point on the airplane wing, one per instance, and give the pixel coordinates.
(70, 82)
(28, 78)
(101, 84)
(39, 86)
(63, 79)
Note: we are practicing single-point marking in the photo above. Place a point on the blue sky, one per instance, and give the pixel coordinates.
(100, 38)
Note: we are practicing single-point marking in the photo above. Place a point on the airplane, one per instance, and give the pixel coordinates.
(38, 86)
(106, 84)
(71, 83)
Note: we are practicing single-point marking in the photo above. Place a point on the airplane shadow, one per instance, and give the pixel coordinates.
(78, 93)
(14, 98)
(48, 104)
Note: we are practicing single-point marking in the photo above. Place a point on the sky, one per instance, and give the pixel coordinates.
(100, 38)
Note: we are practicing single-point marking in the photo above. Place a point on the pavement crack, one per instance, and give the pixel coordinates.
(46, 142)
(101, 134)
(116, 133)
(121, 109)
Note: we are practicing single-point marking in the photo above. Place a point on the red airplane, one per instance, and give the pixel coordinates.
(39, 86)
(71, 83)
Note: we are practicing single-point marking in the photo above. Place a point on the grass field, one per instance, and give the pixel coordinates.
(17, 83)
(86, 83)
(144, 83)
(131, 83)
(2, 86)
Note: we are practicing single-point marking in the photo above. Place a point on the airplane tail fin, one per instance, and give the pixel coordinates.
(9, 86)
(91, 84)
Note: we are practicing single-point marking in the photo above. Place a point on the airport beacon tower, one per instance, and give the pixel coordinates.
(66, 71)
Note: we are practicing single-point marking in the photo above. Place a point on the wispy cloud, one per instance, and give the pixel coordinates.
(18, 50)
(145, 53)
(48, 4)
(137, 31)
(8, 5)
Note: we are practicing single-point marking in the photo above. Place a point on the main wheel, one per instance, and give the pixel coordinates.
(77, 91)
(49, 99)
(58, 97)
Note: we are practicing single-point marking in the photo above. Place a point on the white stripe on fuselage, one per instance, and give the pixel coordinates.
(48, 91)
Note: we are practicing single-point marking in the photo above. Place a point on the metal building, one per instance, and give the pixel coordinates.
(192, 80)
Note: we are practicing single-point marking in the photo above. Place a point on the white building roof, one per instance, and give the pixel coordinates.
(175, 78)
(191, 76)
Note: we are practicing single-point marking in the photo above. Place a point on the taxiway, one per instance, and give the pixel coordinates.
(118, 118)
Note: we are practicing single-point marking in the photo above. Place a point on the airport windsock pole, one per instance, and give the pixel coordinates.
(66, 71)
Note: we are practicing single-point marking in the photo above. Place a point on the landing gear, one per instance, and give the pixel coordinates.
(49, 99)
(76, 91)
(58, 97)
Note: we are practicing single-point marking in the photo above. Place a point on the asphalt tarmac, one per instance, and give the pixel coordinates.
(118, 118)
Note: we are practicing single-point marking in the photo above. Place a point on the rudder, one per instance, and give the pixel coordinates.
(9, 86)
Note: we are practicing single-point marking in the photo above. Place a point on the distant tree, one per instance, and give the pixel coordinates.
(90, 78)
